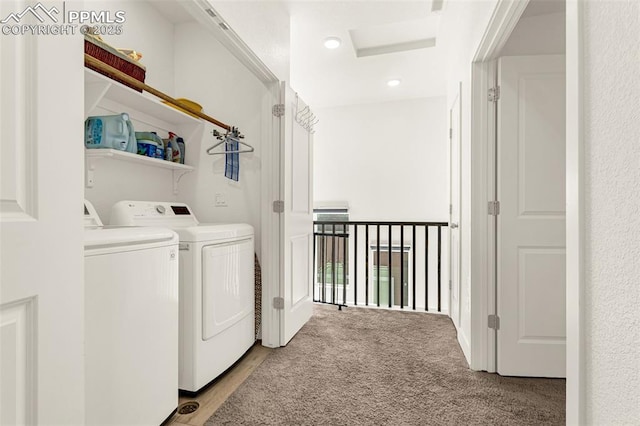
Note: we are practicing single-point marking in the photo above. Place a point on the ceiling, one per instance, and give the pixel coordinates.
(381, 40)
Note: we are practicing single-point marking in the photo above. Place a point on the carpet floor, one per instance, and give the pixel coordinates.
(377, 367)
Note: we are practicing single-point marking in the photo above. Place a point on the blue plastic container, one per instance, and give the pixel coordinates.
(110, 131)
(147, 148)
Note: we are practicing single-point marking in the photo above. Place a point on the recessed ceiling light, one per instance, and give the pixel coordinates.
(332, 42)
(393, 83)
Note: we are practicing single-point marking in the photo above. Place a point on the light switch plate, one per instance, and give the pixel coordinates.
(221, 200)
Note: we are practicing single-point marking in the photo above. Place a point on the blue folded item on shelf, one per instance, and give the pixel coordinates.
(232, 161)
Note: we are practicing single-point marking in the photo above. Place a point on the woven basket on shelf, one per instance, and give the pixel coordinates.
(110, 56)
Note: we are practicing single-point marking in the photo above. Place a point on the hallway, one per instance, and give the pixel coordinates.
(369, 366)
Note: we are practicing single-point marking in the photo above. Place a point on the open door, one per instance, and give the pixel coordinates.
(41, 229)
(296, 219)
(454, 210)
(531, 221)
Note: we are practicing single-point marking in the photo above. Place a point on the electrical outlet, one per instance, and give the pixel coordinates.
(221, 200)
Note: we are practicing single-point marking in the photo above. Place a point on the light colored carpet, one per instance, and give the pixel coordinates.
(376, 367)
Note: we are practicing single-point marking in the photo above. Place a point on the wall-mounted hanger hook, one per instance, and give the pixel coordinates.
(303, 111)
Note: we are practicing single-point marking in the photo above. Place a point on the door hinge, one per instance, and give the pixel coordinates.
(450, 133)
(450, 208)
(278, 110)
(449, 285)
(494, 208)
(278, 303)
(278, 206)
(493, 322)
(494, 94)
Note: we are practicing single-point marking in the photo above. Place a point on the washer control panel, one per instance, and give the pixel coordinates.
(152, 213)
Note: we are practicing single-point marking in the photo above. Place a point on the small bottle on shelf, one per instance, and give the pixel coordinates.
(182, 151)
(172, 147)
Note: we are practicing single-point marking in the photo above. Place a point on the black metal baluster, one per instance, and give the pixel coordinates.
(324, 266)
(366, 265)
(426, 268)
(315, 264)
(355, 265)
(413, 264)
(345, 263)
(390, 269)
(439, 276)
(401, 266)
(333, 264)
(378, 266)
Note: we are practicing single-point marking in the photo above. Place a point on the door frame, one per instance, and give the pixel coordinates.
(271, 227)
(483, 166)
(458, 100)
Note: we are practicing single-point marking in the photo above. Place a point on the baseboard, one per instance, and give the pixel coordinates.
(463, 341)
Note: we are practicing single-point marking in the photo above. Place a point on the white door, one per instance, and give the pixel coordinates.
(531, 222)
(296, 224)
(454, 210)
(41, 224)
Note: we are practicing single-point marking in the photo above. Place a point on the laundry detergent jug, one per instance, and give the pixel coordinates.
(110, 131)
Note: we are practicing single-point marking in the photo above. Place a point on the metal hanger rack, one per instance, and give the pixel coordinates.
(305, 117)
(233, 135)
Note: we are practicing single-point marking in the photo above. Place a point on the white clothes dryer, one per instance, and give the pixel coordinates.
(216, 287)
(131, 323)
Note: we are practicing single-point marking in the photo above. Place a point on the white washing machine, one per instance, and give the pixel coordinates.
(216, 287)
(131, 323)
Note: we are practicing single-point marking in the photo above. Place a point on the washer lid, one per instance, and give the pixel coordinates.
(214, 232)
(119, 237)
(91, 218)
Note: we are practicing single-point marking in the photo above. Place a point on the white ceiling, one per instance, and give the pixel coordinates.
(339, 77)
(288, 35)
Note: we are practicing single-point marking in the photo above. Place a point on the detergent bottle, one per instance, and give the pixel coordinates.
(160, 150)
(171, 146)
(110, 131)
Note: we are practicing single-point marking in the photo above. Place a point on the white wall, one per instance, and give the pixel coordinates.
(387, 160)
(147, 31)
(537, 35)
(612, 204)
(265, 27)
(463, 24)
(233, 95)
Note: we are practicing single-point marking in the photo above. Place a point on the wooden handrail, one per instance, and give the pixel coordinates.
(98, 64)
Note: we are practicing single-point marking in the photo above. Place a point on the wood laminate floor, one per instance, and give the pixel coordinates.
(212, 397)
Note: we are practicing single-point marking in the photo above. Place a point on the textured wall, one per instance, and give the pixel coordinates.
(612, 194)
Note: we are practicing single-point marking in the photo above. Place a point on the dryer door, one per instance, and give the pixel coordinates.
(227, 285)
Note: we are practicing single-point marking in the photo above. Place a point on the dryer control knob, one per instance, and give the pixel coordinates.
(160, 209)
